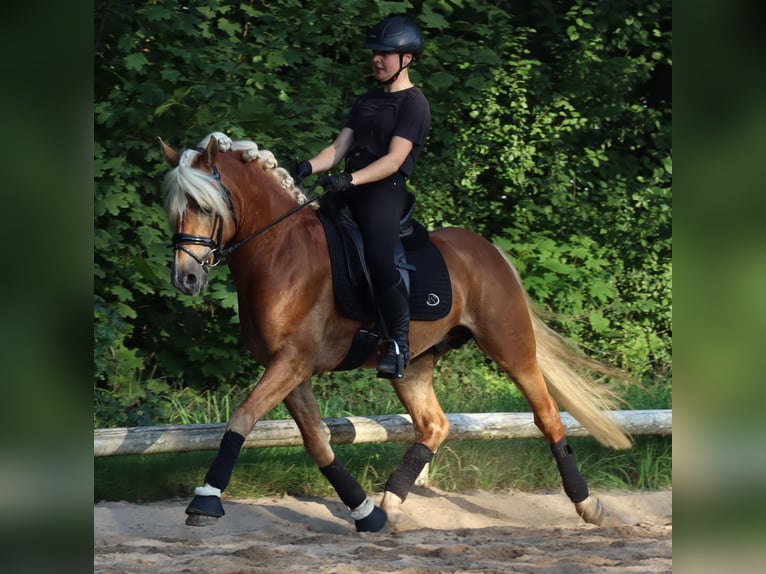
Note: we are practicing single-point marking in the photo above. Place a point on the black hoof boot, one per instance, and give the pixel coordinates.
(204, 510)
(374, 522)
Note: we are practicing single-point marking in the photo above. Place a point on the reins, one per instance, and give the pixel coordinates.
(313, 196)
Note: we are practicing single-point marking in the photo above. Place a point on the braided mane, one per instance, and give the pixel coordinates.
(184, 181)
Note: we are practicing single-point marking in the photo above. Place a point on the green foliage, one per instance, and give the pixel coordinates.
(525, 464)
(550, 136)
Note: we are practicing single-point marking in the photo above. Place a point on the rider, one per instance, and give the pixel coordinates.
(380, 142)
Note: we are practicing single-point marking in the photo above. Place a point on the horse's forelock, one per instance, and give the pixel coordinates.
(184, 182)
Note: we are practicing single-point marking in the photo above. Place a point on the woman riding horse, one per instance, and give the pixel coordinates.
(224, 200)
(228, 199)
(381, 142)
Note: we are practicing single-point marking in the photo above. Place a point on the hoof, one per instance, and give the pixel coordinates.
(204, 510)
(374, 522)
(391, 504)
(591, 510)
(201, 520)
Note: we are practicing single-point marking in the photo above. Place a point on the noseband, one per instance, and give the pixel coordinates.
(213, 258)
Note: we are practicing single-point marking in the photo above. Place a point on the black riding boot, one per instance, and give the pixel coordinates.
(394, 354)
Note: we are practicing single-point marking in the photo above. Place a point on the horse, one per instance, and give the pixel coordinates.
(231, 200)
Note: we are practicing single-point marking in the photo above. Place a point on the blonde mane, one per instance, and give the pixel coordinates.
(184, 181)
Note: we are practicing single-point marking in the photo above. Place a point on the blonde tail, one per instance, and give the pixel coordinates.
(564, 370)
(574, 391)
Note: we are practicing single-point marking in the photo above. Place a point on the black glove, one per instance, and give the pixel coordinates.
(335, 184)
(301, 170)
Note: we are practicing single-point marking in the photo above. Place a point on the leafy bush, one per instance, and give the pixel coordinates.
(550, 136)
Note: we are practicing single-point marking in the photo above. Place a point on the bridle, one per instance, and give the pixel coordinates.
(213, 257)
(218, 253)
(213, 242)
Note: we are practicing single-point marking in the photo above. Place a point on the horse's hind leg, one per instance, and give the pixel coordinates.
(546, 415)
(303, 407)
(516, 355)
(431, 427)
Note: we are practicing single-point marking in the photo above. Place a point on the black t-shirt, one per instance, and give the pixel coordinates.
(378, 116)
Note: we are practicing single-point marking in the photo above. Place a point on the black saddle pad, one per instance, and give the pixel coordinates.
(430, 286)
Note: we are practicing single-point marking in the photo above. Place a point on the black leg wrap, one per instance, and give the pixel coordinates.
(574, 483)
(401, 480)
(344, 484)
(220, 471)
(206, 506)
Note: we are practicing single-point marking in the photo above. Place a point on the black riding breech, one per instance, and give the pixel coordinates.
(378, 207)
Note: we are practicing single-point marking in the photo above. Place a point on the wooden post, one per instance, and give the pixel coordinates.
(356, 430)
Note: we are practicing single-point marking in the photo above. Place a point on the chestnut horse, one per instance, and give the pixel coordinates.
(223, 199)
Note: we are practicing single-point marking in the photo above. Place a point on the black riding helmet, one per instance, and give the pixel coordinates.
(396, 34)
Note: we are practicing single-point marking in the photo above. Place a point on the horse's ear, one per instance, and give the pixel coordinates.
(210, 153)
(171, 155)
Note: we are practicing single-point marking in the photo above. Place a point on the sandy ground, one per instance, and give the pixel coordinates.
(440, 533)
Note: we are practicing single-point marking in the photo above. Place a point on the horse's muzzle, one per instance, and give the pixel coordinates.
(189, 279)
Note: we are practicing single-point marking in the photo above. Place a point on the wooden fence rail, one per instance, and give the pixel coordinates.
(355, 430)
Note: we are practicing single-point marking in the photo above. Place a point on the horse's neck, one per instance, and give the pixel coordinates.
(260, 212)
(259, 206)
(286, 260)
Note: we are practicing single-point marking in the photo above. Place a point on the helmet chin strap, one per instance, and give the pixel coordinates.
(395, 77)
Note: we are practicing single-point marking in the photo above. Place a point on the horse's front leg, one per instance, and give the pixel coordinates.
(302, 404)
(431, 428)
(280, 377)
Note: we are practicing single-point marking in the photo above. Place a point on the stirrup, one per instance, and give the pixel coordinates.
(393, 354)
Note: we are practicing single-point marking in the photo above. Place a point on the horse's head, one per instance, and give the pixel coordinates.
(201, 211)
